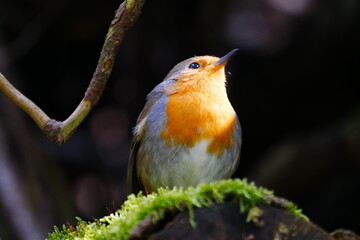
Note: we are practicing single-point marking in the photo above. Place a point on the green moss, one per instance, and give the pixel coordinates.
(119, 224)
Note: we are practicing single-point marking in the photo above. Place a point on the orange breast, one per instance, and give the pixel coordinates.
(193, 116)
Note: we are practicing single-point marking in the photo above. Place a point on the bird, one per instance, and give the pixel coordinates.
(188, 132)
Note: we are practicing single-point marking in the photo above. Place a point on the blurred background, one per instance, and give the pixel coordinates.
(293, 84)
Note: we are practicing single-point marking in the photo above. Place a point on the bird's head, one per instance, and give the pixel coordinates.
(198, 72)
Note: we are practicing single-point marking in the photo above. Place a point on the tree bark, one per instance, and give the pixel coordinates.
(224, 221)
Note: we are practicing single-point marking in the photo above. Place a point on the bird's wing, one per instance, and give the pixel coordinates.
(133, 181)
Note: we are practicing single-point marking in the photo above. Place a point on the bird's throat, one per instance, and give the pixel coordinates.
(194, 117)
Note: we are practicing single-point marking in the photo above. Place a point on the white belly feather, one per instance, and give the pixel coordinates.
(195, 166)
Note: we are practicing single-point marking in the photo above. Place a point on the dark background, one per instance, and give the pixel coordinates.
(293, 84)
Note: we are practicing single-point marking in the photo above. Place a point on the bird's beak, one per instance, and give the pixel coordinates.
(223, 61)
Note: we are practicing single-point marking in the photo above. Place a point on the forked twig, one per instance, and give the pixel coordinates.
(60, 131)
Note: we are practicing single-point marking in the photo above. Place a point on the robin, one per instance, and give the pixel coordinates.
(188, 132)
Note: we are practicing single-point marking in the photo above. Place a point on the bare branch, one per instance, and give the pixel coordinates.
(60, 131)
(23, 102)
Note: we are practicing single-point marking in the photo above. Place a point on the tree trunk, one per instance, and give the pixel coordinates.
(224, 221)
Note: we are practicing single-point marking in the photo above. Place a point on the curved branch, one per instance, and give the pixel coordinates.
(60, 131)
(39, 117)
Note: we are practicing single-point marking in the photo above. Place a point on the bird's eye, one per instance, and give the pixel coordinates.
(194, 65)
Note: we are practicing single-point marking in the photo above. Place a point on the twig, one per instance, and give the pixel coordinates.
(60, 131)
(23, 102)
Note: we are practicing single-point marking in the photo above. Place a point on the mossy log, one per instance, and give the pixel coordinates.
(227, 209)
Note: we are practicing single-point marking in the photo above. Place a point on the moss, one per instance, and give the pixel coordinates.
(119, 224)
